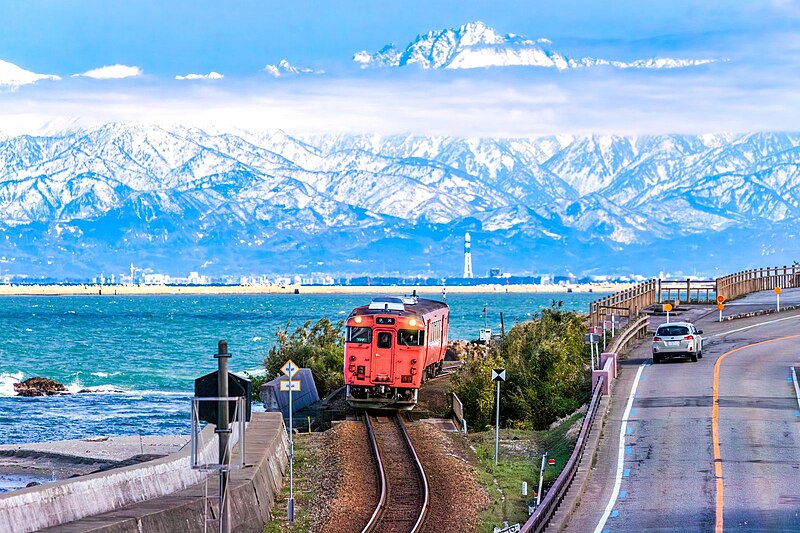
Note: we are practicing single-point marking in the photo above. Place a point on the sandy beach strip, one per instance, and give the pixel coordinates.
(99, 448)
(112, 290)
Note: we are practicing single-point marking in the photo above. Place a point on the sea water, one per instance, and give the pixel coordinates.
(141, 354)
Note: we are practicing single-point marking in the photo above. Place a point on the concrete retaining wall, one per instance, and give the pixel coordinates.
(252, 491)
(64, 501)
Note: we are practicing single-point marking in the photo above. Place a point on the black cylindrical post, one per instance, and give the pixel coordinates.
(223, 431)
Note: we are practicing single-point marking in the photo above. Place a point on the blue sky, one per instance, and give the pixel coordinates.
(157, 40)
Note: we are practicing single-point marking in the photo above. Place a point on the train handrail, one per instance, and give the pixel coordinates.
(376, 515)
(538, 521)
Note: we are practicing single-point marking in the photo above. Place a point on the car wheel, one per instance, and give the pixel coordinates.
(693, 357)
(699, 355)
(656, 359)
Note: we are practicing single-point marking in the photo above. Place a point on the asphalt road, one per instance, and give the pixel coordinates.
(686, 466)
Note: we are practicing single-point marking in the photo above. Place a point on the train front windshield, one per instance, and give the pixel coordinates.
(359, 334)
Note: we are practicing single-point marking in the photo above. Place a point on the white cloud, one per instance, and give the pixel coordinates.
(210, 76)
(13, 76)
(112, 72)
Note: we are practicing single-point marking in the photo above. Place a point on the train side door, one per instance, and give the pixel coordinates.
(383, 358)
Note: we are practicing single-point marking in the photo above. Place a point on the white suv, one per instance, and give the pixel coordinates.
(677, 339)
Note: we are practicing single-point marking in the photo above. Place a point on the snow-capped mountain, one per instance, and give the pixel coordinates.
(175, 198)
(13, 76)
(284, 68)
(475, 45)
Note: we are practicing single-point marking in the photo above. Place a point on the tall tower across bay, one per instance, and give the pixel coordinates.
(467, 257)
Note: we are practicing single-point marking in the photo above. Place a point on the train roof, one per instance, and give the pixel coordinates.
(400, 304)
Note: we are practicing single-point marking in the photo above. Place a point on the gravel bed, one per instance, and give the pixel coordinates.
(345, 472)
(456, 498)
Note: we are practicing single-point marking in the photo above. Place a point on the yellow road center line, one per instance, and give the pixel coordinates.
(715, 429)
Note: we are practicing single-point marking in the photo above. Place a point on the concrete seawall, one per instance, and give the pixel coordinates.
(82, 504)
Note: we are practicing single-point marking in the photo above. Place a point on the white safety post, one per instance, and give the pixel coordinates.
(498, 375)
(541, 478)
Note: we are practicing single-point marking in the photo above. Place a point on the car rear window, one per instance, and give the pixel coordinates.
(672, 331)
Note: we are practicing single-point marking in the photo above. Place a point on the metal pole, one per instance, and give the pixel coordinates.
(291, 455)
(778, 299)
(667, 317)
(720, 315)
(541, 478)
(223, 431)
(497, 425)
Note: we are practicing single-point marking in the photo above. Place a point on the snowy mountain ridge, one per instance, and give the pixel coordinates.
(86, 200)
(475, 45)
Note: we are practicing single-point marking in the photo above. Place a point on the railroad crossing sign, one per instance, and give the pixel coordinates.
(498, 374)
(290, 386)
(290, 369)
(720, 299)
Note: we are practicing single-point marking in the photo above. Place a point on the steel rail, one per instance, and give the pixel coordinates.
(377, 515)
(381, 473)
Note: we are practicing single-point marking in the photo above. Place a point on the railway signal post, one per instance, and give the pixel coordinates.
(290, 369)
(498, 375)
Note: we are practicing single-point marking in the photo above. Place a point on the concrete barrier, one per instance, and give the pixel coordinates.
(252, 491)
(608, 372)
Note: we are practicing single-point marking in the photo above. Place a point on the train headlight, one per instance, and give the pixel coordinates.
(358, 319)
(412, 322)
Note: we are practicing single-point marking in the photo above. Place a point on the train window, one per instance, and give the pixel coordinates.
(384, 339)
(360, 335)
(410, 337)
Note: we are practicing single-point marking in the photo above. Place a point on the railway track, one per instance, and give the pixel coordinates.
(403, 501)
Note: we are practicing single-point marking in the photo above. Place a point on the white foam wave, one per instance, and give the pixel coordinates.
(255, 339)
(105, 374)
(7, 381)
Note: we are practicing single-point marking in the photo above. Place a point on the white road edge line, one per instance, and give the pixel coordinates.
(621, 457)
(796, 387)
(754, 326)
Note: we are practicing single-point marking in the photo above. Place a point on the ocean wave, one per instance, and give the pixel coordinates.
(105, 374)
(256, 339)
(7, 381)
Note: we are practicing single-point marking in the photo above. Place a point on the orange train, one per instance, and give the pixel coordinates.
(391, 347)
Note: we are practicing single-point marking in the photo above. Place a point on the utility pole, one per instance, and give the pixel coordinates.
(223, 431)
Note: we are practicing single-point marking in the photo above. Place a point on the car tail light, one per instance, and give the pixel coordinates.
(351, 368)
(689, 338)
(405, 379)
(656, 339)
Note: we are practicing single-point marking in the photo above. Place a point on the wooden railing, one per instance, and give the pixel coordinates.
(758, 279)
(627, 303)
(688, 290)
(544, 512)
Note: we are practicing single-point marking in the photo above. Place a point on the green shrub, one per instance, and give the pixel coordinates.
(319, 347)
(546, 373)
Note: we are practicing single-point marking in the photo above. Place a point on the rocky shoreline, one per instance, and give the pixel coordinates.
(39, 386)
